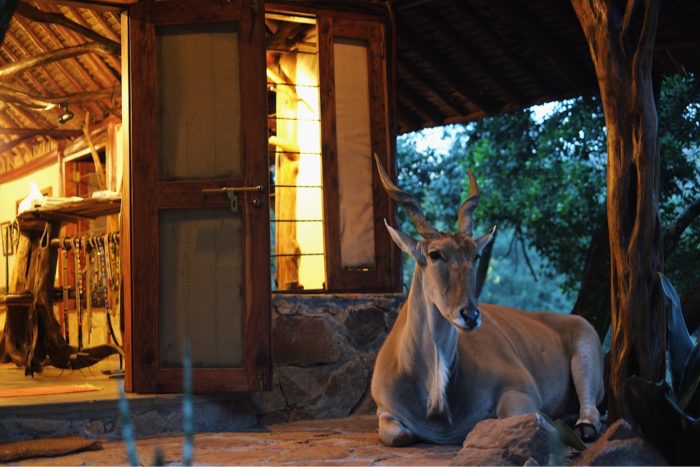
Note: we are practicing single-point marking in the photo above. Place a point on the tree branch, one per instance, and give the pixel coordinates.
(20, 66)
(672, 234)
(39, 16)
(14, 96)
(523, 246)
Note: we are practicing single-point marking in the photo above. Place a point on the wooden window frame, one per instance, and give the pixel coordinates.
(385, 275)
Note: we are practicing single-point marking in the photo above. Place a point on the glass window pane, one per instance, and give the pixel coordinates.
(354, 154)
(200, 115)
(201, 287)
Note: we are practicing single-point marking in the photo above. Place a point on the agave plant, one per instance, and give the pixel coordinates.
(669, 415)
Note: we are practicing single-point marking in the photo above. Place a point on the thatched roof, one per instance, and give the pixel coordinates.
(457, 60)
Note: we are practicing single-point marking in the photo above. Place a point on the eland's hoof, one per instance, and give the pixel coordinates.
(586, 431)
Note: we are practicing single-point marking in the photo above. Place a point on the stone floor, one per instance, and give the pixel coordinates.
(348, 441)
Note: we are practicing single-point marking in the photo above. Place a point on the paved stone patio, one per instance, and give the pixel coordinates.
(346, 441)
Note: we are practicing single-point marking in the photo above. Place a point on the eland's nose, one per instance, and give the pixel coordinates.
(471, 317)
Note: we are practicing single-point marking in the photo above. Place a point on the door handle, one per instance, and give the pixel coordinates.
(231, 193)
(232, 189)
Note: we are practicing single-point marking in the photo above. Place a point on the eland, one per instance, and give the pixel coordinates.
(448, 362)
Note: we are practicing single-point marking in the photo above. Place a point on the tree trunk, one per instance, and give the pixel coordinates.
(593, 301)
(621, 36)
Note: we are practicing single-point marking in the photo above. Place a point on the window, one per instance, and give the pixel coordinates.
(327, 116)
(298, 260)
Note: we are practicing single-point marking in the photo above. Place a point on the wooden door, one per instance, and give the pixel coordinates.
(199, 260)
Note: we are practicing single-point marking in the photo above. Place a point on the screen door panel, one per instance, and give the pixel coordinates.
(199, 102)
(201, 287)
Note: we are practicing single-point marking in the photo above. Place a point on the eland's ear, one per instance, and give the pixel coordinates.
(406, 243)
(484, 240)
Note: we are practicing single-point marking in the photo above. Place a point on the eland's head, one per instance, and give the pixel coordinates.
(446, 263)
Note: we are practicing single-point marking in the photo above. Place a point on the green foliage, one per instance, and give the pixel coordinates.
(679, 142)
(544, 181)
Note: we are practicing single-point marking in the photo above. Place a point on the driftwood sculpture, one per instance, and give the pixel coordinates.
(32, 336)
(449, 362)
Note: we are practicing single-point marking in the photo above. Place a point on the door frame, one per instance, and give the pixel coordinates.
(144, 196)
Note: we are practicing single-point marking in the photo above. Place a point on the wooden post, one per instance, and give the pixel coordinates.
(620, 36)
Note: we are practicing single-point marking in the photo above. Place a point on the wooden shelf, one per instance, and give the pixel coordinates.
(88, 208)
(28, 297)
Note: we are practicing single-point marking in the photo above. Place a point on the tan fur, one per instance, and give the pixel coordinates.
(434, 378)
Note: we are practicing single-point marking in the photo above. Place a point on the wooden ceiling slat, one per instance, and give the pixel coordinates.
(102, 72)
(29, 76)
(424, 80)
(53, 132)
(115, 61)
(470, 55)
(35, 118)
(53, 17)
(542, 40)
(460, 85)
(62, 68)
(480, 22)
(9, 145)
(429, 113)
(407, 122)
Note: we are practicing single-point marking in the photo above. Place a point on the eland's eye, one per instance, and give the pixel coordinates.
(435, 255)
(476, 258)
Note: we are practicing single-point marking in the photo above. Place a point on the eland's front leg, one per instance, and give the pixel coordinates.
(394, 433)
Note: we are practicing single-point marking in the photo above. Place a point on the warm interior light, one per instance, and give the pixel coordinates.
(294, 77)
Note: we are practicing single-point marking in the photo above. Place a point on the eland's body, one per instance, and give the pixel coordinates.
(449, 363)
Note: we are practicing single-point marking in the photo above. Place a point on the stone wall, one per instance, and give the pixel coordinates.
(323, 349)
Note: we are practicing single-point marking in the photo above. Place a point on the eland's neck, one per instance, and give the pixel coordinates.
(428, 345)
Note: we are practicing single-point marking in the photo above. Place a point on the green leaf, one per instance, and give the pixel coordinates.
(689, 388)
(679, 342)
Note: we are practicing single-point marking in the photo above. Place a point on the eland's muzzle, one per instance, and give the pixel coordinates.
(472, 317)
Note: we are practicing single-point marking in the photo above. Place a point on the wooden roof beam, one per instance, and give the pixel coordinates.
(437, 62)
(438, 91)
(41, 46)
(11, 69)
(34, 81)
(116, 6)
(535, 33)
(400, 5)
(407, 115)
(80, 67)
(481, 22)
(39, 16)
(114, 60)
(425, 108)
(51, 132)
(83, 70)
(104, 74)
(9, 145)
(486, 68)
(14, 96)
